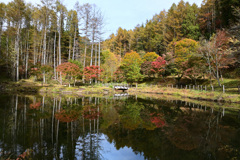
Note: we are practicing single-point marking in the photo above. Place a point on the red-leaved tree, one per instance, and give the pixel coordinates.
(68, 70)
(92, 73)
(158, 66)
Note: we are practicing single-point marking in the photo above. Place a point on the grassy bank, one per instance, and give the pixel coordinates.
(29, 86)
(187, 93)
(188, 101)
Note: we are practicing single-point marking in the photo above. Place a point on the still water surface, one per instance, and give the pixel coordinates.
(129, 128)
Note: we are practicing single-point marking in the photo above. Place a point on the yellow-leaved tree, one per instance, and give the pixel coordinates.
(110, 64)
(131, 65)
(150, 57)
(183, 50)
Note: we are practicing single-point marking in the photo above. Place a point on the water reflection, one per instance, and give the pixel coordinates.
(111, 128)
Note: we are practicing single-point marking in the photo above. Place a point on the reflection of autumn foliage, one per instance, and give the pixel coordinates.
(25, 155)
(185, 134)
(91, 113)
(67, 116)
(157, 120)
(35, 105)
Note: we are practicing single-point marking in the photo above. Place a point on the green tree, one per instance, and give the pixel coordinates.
(131, 65)
(190, 25)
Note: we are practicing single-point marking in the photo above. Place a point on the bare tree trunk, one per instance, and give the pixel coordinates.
(1, 24)
(91, 61)
(84, 60)
(45, 45)
(44, 51)
(54, 56)
(26, 68)
(69, 52)
(17, 50)
(59, 41)
(74, 44)
(217, 71)
(99, 53)
(34, 50)
(85, 54)
(96, 54)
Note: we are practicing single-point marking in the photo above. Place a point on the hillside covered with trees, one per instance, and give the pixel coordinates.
(49, 42)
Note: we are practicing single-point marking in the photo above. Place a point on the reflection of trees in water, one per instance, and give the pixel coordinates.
(191, 132)
(53, 129)
(200, 131)
(70, 128)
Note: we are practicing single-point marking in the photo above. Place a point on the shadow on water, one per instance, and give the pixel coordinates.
(118, 127)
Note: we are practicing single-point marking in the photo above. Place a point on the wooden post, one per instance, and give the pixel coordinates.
(181, 86)
(198, 87)
(177, 86)
(212, 88)
(167, 86)
(186, 87)
(223, 89)
(189, 86)
(205, 88)
(201, 87)
(193, 87)
(172, 85)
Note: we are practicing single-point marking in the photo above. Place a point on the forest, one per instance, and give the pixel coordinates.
(50, 43)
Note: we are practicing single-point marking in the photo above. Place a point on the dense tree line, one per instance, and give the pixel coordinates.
(194, 41)
(48, 41)
(37, 39)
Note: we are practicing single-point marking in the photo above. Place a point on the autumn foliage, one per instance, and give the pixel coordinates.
(67, 116)
(158, 120)
(91, 113)
(119, 75)
(68, 69)
(35, 105)
(158, 66)
(92, 72)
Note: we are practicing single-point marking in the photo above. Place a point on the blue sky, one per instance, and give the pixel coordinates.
(124, 13)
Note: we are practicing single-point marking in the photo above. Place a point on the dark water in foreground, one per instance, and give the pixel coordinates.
(115, 129)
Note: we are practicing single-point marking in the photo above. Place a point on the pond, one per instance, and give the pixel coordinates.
(41, 127)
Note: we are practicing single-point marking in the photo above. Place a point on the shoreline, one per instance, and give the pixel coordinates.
(35, 88)
(191, 94)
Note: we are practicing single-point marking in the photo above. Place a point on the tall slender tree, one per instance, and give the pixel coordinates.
(15, 12)
(2, 19)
